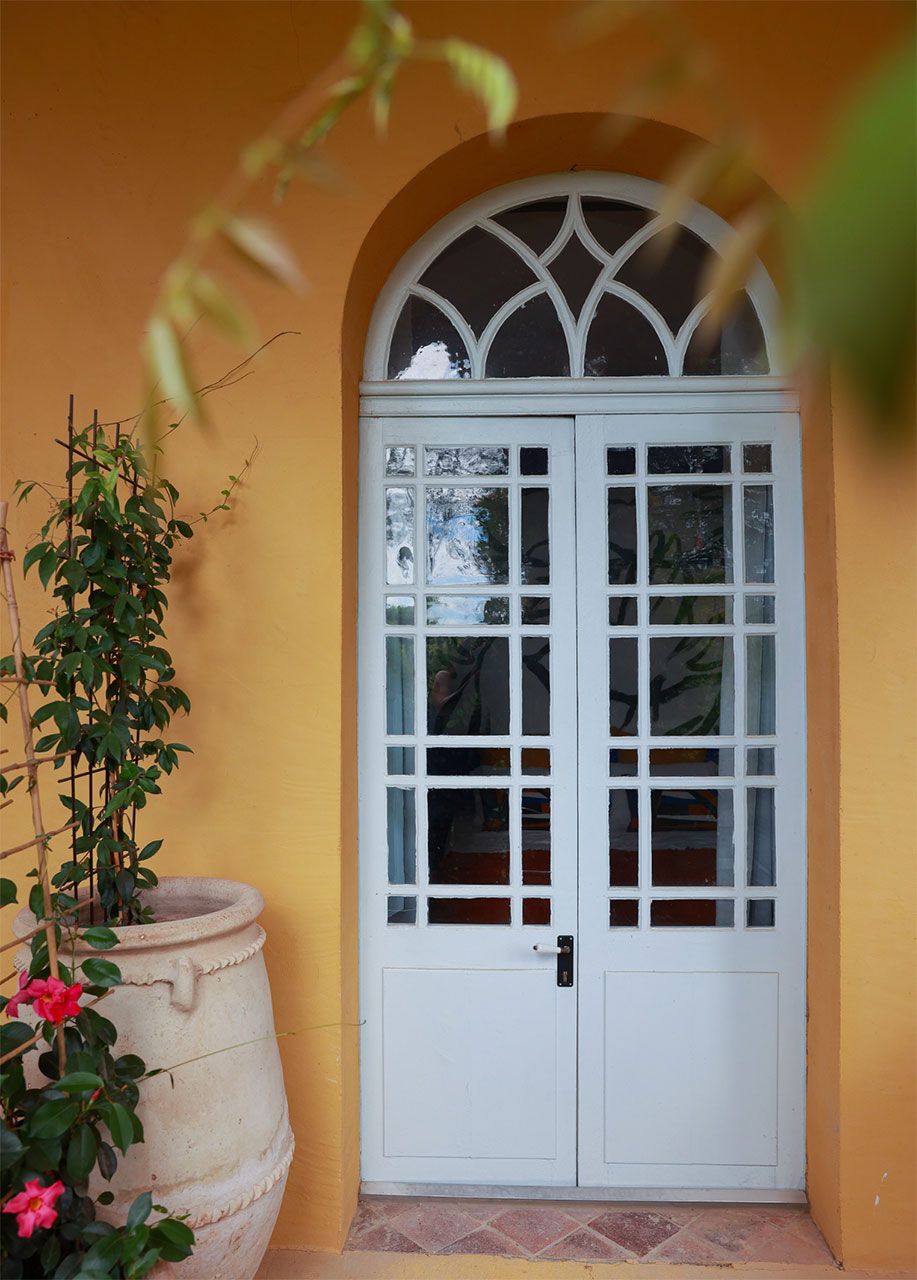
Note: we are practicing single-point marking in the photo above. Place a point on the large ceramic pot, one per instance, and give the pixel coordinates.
(218, 1140)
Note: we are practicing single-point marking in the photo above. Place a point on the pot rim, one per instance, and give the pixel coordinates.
(236, 905)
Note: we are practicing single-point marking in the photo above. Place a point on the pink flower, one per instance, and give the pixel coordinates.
(34, 1207)
(22, 996)
(56, 1001)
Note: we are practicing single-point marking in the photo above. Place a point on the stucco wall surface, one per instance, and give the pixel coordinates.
(120, 120)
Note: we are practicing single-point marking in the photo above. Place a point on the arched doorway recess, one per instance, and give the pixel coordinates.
(581, 721)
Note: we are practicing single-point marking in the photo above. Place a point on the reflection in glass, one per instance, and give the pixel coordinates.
(467, 535)
(622, 685)
(530, 343)
(467, 685)
(536, 835)
(667, 272)
(760, 762)
(399, 536)
(688, 459)
(622, 611)
(576, 271)
(468, 911)
(692, 837)
(402, 845)
(536, 547)
(622, 838)
(399, 460)
(537, 223)
(477, 273)
(399, 611)
(760, 685)
(737, 348)
(756, 457)
(759, 913)
(402, 910)
(701, 913)
(690, 533)
(621, 462)
(536, 611)
(622, 343)
(692, 683)
(612, 222)
(468, 835)
(536, 911)
(425, 344)
(399, 760)
(690, 611)
(761, 842)
(485, 762)
(467, 611)
(759, 533)
(759, 609)
(622, 535)
(536, 760)
(536, 686)
(533, 461)
(475, 460)
(399, 684)
(622, 762)
(623, 913)
(692, 762)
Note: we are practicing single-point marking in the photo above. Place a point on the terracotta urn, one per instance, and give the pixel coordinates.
(196, 1000)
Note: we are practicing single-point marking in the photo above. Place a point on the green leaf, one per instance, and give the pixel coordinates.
(139, 1210)
(130, 1065)
(7, 892)
(102, 1256)
(168, 364)
(218, 304)
(100, 937)
(53, 1118)
(485, 75)
(10, 1147)
(149, 849)
(118, 1119)
(260, 246)
(46, 566)
(33, 554)
(79, 1082)
(81, 1153)
(101, 973)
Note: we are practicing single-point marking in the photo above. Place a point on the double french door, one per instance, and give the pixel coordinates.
(582, 802)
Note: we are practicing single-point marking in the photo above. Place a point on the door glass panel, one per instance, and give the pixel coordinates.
(622, 536)
(756, 457)
(622, 611)
(759, 533)
(690, 533)
(536, 223)
(759, 609)
(399, 536)
(459, 762)
(692, 837)
(536, 686)
(689, 762)
(399, 460)
(761, 841)
(622, 685)
(467, 685)
(474, 460)
(623, 913)
(399, 611)
(576, 271)
(402, 844)
(761, 690)
(691, 459)
(400, 760)
(477, 273)
(536, 611)
(622, 762)
(399, 684)
(425, 344)
(536, 835)
(691, 685)
(621, 462)
(536, 554)
(533, 461)
(467, 611)
(622, 343)
(704, 913)
(468, 835)
(468, 911)
(536, 911)
(536, 761)
(760, 913)
(667, 270)
(402, 910)
(467, 535)
(622, 838)
(690, 611)
(760, 762)
(530, 343)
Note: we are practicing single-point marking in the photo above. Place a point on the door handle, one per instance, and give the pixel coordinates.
(564, 953)
(545, 950)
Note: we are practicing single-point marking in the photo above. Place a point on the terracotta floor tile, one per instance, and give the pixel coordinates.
(636, 1230)
(799, 1242)
(488, 1242)
(383, 1239)
(737, 1230)
(434, 1225)
(368, 1215)
(482, 1210)
(583, 1245)
(584, 1212)
(688, 1248)
(534, 1227)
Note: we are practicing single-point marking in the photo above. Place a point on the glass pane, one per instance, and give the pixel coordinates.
(621, 462)
(530, 343)
(756, 457)
(611, 222)
(536, 835)
(668, 274)
(702, 913)
(477, 460)
(468, 911)
(486, 762)
(399, 684)
(426, 345)
(759, 609)
(468, 835)
(622, 535)
(759, 913)
(689, 762)
(690, 611)
(536, 224)
(692, 685)
(536, 760)
(692, 837)
(400, 759)
(737, 348)
(467, 535)
(399, 536)
(622, 685)
(536, 686)
(622, 611)
(477, 273)
(467, 685)
(576, 271)
(402, 910)
(761, 843)
(402, 841)
(536, 911)
(622, 838)
(690, 533)
(760, 762)
(536, 547)
(759, 533)
(623, 913)
(533, 461)
(399, 460)
(622, 762)
(761, 685)
(691, 459)
(399, 611)
(467, 611)
(622, 343)
(536, 611)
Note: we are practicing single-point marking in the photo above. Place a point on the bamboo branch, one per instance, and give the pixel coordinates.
(27, 764)
(40, 841)
(14, 1053)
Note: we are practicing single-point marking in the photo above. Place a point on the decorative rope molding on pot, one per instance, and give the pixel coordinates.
(254, 1193)
(187, 971)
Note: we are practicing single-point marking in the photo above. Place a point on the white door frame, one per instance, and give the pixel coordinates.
(568, 398)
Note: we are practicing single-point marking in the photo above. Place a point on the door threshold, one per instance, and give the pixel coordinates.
(670, 1195)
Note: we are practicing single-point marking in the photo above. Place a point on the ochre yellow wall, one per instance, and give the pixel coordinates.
(120, 120)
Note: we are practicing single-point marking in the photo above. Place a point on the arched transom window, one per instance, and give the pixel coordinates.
(564, 277)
